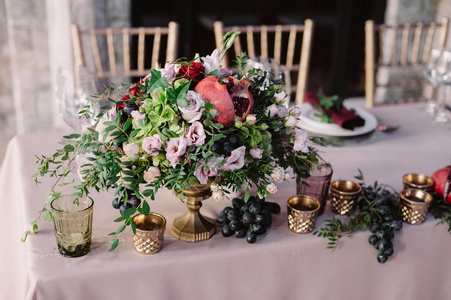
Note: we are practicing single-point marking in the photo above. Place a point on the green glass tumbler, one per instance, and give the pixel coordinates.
(73, 224)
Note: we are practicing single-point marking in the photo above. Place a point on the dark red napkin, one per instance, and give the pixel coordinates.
(344, 118)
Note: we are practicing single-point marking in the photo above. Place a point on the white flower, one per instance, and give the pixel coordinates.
(251, 119)
(151, 174)
(282, 111)
(131, 149)
(271, 188)
(295, 111)
(272, 110)
(107, 116)
(214, 187)
(278, 174)
(287, 176)
(256, 153)
(280, 96)
(291, 122)
(301, 141)
(218, 196)
(236, 159)
(212, 62)
(193, 111)
(136, 114)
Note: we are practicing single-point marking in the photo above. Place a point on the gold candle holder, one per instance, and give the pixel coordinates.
(149, 235)
(417, 181)
(302, 213)
(414, 205)
(345, 194)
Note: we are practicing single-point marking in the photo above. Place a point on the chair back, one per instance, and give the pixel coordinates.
(114, 58)
(278, 42)
(401, 46)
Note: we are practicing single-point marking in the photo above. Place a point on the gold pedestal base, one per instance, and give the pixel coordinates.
(193, 226)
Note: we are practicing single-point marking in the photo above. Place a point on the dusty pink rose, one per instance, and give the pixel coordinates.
(152, 144)
(193, 111)
(196, 134)
(151, 174)
(175, 148)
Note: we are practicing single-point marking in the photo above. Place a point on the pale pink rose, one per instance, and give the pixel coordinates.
(169, 71)
(272, 110)
(136, 114)
(251, 119)
(271, 188)
(196, 134)
(278, 174)
(256, 153)
(193, 111)
(151, 174)
(109, 115)
(217, 196)
(280, 96)
(175, 148)
(236, 159)
(301, 141)
(282, 111)
(291, 122)
(152, 144)
(131, 149)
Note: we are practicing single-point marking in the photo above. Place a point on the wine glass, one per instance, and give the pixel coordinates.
(430, 73)
(443, 74)
(73, 97)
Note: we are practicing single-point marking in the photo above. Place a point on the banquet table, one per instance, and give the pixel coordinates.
(280, 265)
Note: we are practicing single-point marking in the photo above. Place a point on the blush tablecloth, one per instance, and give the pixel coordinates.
(281, 265)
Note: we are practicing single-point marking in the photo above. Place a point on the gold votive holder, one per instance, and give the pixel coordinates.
(302, 213)
(414, 205)
(345, 194)
(149, 235)
(417, 181)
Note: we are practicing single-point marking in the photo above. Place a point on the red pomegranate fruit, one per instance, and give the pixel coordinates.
(441, 177)
(230, 96)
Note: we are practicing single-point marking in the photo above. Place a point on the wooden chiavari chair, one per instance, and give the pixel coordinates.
(410, 47)
(284, 37)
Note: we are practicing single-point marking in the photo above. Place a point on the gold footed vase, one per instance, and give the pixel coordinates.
(193, 226)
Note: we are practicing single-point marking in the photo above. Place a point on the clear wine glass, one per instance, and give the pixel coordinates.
(444, 82)
(73, 97)
(430, 73)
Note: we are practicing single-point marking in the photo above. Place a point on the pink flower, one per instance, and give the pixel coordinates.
(278, 174)
(193, 111)
(218, 196)
(256, 153)
(152, 144)
(175, 148)
(212, 62)
(296, 111)
(151, 174)
(251, 119)
(291, 122)
(236, 159)
(204, 171)
(282, 111)
(301, 141)
(196, 134)
(131, 149)
(280, 96)
(272, 110)
(169, 71)
(136, 114)
(271, 188)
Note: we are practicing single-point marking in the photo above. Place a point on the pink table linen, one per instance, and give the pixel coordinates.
(281, 265)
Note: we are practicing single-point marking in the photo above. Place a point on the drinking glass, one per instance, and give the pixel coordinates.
(73, 224)
(444, 81)
(73, 97)
(430, 73)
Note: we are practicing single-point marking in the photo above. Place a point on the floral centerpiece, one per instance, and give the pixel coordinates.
(189, 122)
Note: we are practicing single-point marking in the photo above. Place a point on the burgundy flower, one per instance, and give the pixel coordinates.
(194, 71)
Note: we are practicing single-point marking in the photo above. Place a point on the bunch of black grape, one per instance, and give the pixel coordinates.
(226, 145)
(247, 219)
(122, 205)
(382, 206)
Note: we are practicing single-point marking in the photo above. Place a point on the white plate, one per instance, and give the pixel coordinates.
(310, 122)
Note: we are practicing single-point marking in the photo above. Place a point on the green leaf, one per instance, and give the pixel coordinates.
(48, 216)
(133, 226)
(127, 124)
(120, 229)
(114, 245)
(120, 219)
(129, 212)
(145, 208)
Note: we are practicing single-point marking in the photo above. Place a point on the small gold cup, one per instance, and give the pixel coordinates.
(149, 235)
(414, 205)
(417, 181)
(345, 194)
(302, 213)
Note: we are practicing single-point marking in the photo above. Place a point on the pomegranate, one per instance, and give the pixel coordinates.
(442, 181)
(230, 96)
